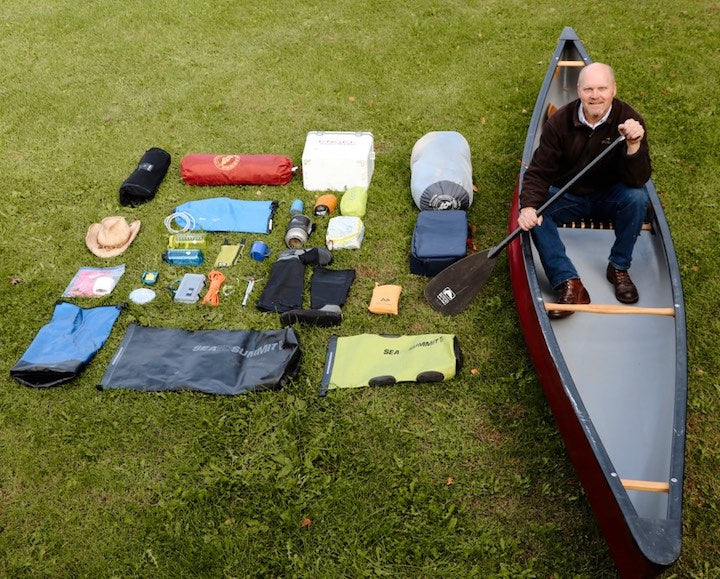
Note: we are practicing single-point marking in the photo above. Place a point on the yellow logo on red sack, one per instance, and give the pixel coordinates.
(226, 162)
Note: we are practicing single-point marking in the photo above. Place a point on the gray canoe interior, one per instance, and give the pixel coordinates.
(623, 365)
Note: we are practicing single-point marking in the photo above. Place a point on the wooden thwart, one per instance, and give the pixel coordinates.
(645, 485)
(571, 63)
(609, 309)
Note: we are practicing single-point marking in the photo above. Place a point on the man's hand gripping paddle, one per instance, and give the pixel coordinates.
(452, 290)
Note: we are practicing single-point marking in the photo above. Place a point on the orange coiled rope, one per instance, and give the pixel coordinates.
(212, 296)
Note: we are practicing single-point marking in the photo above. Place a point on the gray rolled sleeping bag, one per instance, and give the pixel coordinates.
(441, 171)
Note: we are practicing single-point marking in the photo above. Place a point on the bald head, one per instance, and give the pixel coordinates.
(596, 71)
(596, 88)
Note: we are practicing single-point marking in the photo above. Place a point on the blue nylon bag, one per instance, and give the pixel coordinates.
(64, 346)
(225, 214)
(439, 240)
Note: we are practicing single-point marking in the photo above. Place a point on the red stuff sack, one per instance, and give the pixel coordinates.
(203, 169)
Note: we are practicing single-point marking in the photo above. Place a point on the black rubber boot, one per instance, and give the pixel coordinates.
(329, 315)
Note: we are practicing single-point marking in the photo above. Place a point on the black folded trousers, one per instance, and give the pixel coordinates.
(143, 182)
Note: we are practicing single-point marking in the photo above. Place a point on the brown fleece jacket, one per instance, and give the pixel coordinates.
(567, 146)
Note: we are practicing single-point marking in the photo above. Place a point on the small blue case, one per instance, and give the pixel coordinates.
(439, 240)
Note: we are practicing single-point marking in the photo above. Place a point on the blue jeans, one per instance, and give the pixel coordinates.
(625, 206)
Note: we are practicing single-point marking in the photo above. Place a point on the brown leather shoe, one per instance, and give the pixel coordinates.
(571, 291)
(625, 290)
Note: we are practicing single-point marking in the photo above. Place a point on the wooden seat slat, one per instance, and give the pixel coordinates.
(609, 309)
(645, 485)
(571, 63)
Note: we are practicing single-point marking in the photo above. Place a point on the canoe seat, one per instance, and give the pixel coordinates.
(645, 485)
(592, 224)
(595, 224)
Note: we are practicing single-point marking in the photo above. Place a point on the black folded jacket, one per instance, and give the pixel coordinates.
(285, 286)
(143, 182)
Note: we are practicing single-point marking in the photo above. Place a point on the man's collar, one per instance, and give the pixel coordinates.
(584, 121)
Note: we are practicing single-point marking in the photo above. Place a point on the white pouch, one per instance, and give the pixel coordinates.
(344, 232)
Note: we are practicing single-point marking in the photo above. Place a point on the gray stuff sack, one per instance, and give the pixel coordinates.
(211, 361)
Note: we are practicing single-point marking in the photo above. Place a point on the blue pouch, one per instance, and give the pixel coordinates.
(225, 214)
(439, 240)
(64, 346)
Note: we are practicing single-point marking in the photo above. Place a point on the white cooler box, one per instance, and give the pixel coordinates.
(335, 160)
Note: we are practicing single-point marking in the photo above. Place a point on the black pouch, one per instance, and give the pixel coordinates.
(143, 182)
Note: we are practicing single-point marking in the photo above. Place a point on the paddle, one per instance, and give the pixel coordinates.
(452, 290)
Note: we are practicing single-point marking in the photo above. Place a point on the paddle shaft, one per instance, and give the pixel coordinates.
(518, 230)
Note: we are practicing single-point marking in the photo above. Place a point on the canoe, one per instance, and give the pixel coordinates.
(614, 376)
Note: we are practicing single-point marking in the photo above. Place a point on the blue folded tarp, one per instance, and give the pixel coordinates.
(225, 214)
(64, 346)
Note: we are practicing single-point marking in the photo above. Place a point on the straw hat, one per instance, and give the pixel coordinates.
(111, 236)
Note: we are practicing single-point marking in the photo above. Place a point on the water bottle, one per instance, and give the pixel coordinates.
(441, 171)
(184, 257)
(298, 231)
(296, 207)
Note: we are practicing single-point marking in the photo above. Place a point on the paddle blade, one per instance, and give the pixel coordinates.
(452, 290)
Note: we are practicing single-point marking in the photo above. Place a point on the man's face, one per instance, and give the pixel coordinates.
(596, 90)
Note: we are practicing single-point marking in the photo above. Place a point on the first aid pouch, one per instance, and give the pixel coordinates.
(385, 299)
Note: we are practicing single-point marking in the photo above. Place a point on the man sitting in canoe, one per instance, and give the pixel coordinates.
(613, 190)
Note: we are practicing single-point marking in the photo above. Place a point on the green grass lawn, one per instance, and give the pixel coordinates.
(460, 479)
